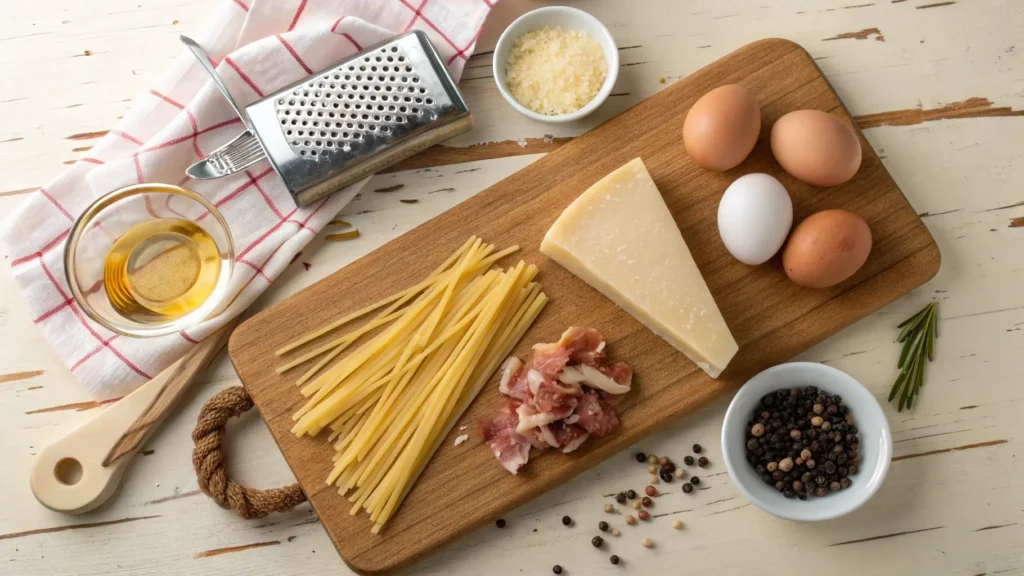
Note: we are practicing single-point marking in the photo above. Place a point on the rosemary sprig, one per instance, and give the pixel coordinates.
(917, 336)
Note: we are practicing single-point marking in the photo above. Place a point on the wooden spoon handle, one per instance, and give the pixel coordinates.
(82, 470)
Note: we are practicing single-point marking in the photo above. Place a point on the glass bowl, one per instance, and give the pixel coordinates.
(160, 218)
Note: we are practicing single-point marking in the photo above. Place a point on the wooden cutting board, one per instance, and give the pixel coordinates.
(771, 318)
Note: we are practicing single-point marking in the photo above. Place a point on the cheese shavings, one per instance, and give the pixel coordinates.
(554, 71)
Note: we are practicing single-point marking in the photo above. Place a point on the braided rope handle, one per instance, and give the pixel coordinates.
(208, 460)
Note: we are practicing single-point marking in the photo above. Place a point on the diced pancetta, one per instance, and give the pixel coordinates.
(510, 448)
(596, 416)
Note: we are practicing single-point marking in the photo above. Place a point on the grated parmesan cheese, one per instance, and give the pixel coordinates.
(554, 71)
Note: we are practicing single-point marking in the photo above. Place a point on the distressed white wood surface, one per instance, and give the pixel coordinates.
(954, 501)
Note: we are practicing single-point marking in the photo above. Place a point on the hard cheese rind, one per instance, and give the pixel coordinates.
(620, 238)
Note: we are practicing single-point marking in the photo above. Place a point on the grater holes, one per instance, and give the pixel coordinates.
(394, 48)
(401, 58)
(377, 86)
(415, 79)
(391, 108)
(378, 58)
(402, 109)
(423, 90)
(364, 117)
(345, 135)
(376, 118)
(415, 110)
(388, 88)
(408, 68)
(301, 152)
(337, 76)
(373, 69)
(405, 79)
(419, 100)
(361, 126)
(349, 125)
(429, 101)
(380, 108)
(280, 102)
(329, 144)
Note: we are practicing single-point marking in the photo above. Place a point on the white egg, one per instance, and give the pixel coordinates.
(754, 218)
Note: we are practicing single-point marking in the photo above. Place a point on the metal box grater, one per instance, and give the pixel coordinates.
(360, 116)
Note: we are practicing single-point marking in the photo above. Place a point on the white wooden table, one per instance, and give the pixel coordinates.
(938, 87)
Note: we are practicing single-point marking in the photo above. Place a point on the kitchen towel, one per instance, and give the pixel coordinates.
(258, 46)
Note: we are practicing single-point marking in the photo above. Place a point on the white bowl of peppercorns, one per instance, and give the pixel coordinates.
(805, 441)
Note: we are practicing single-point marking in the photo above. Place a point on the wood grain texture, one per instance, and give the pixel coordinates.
(772, 319)
(185, 373)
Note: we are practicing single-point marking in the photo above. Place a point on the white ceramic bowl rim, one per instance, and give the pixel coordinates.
(539, 18)
(875, 441)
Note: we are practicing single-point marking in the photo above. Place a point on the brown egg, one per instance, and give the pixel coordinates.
(722, 127)
(826, 248)
(816, 147)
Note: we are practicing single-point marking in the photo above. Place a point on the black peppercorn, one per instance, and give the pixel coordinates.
(830, 467)
(852, 469)
(780, 485)
(666, 476)
(845, 483)
(820, 491)
(566, 520)
(694, 480)
(702, 462)
(688, 460)
(697, 448)
(500, 523)
(614, 559)
(801, 495)
(687, 488)
(602, 526)
(597, 541)
(821, 480)
(668, 466)
(641, 457)
(788, 493)
(620, 497)
(646, 502)
(557, 569)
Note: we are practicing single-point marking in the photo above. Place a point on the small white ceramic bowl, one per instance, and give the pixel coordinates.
(875, 441)
(568, 19)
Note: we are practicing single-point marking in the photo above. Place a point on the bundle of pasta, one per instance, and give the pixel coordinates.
(391, 401)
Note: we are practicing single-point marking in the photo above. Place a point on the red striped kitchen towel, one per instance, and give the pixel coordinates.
(259, 46)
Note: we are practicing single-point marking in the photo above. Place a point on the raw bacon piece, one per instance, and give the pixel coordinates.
(584, 345)
(621, 372)
(530, 417)
(568, 436)
(596, 416)
(510, 448)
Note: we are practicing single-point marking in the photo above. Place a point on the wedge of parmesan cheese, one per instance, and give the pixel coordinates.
(620, 238)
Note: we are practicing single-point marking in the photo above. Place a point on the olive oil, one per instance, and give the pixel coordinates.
(161, 270)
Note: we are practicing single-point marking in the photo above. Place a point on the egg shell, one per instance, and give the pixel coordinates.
(722, 127)
(826, 248)
(816, 147)
(754, 218)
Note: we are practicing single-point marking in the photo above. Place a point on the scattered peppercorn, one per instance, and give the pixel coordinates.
(615, 532)
(679, 473)
(650, 490)
(620, 497)
(500, 523)
(647, 542)
(652, 459)
(653, 479)
(697, 448)
(688, 460)
(666, 475)
(638, 504)
(678, 525)
(630, 520)
(702, 462)
(647, 502)
(631, 494)
(597, 541)
(641, 457)
(687, 488)
(803, 442)
(668, 466)
(566, 520)
(663, 460)
(557, 569)
(614, 559)
(694, 480)
(602, 526)
(609, 508)
(652, 469)
(644, 515)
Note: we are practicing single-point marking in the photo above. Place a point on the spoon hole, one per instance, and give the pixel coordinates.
(68, 471)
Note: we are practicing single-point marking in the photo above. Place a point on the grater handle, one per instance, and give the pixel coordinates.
(200, 55)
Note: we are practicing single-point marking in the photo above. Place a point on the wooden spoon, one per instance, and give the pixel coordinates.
(83, 469)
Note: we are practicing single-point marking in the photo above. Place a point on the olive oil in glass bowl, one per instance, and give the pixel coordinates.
(149, 260)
